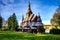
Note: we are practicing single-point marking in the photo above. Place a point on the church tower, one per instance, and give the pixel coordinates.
(29, 12)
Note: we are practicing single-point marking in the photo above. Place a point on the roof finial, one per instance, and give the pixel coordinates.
(29, 6)
(38, 14)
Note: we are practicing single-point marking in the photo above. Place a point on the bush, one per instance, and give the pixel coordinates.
(55, 31)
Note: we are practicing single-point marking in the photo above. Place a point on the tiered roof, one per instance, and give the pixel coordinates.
(32, 20)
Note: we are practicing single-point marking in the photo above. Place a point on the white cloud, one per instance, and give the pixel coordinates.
(7, 1)
(19, 22)
(46, 22)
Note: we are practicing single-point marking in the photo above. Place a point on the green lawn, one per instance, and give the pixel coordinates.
(8, 35)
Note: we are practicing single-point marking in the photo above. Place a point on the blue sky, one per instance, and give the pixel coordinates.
(46, 8)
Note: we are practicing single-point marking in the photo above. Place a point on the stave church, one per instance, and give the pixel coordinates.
(31, 23)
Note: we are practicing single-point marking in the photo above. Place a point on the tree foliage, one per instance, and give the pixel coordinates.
(56, 19)
(9, 23)
(1, 21)
(55, 31)
(12, 22)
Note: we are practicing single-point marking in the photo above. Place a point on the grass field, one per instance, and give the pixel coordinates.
(8, 35)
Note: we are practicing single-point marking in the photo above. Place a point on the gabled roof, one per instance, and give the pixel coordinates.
(31, 16)
(34, 18)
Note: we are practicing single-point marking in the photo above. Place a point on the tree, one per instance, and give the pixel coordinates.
(12, 22)
(56, 18)
(9, 23)
(1, 21)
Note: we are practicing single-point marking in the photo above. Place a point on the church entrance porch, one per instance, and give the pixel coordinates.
(33, 31)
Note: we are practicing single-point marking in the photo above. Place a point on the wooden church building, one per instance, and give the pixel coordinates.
(31, 23)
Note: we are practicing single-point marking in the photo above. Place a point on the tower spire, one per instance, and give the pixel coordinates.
(29, 6)
(29, 12)
(38, 17)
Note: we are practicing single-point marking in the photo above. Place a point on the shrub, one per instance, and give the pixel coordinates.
(55, 31)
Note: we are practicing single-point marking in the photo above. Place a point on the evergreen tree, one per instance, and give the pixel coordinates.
(12, 22)
(9, 23)
(1, 21)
